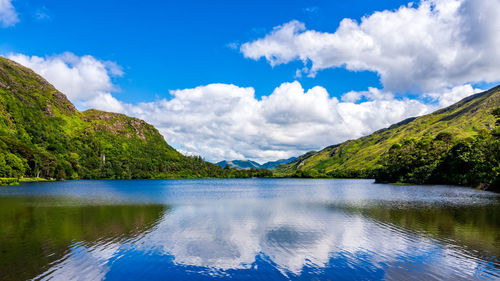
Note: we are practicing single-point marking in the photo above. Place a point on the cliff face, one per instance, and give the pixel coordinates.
(42, 134)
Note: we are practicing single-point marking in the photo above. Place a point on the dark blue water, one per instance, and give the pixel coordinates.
(252, 229)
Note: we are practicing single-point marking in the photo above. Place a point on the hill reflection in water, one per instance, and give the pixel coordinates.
(250, 230)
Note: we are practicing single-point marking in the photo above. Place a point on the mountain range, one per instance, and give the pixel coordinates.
(249, 164)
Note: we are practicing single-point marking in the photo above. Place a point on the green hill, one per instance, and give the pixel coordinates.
(249, 164)
(239, 164)
(273, 164)
(360, 157)
(43, 135)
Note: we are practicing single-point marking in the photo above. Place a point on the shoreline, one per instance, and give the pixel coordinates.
(17, 181)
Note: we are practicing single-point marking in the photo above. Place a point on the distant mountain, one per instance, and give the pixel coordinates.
(248, 164)
(359, 157)
(239, 164)
(273, 164)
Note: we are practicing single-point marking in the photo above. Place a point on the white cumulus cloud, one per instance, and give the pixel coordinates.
(224, 121)
(85, 80)
(453, 95)
(8, 14)
(434, 45)
(221, 121)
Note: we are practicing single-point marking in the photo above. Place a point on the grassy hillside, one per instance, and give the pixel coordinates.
(43, 135)
(361, 156)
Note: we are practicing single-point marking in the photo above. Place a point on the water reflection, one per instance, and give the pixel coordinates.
(303, 241)
(37, 233)
(251, 230)
(476, 227)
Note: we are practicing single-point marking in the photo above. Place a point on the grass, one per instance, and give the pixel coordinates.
(463, 119)
(16, 181)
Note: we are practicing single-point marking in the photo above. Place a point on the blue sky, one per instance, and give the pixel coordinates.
(164, 45)
(259, 80)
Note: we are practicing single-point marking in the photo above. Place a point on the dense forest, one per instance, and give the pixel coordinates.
(360, 157)
(455, 145)
(473, 161)
(443, 159)
(42, 135)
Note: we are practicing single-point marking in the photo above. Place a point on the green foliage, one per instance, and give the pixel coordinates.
(361, 157)
(12, 165)
(43, 135)
(339, 174)
(472, 161)
(9, 181)
(496, 113)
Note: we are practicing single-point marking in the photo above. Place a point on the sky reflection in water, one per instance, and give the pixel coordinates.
(248, 230)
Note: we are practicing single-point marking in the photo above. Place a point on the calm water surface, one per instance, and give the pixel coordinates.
(257, 229)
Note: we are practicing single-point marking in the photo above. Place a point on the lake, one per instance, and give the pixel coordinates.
(247, 229)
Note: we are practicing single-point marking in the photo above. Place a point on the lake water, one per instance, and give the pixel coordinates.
(249, 229)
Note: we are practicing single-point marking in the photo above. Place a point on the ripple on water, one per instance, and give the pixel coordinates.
(248, 230)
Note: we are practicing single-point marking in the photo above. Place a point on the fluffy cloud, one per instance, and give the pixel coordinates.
(438, 47)
(230, 236)
(85, 80)
(221, 121)
(293, 234)
(437, 44)
(8, 15)
(453, 95)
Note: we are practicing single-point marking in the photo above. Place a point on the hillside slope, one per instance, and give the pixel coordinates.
(43, 135)
(273, 164)
(249, 164)
(361, 156)
(239, 164)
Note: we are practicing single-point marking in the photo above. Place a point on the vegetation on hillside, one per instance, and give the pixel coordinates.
(239, 164)
(249, 164)
(42, 135)
(471, 161)
(468, 122)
